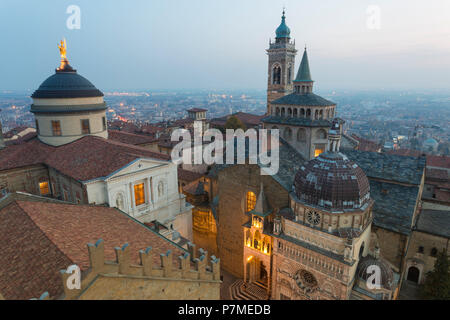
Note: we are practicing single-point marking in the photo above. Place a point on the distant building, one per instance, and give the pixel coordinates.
(248, 119)
(430, 145)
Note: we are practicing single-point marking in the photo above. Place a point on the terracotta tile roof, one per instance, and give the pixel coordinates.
(405, 152)
(129, 138)
(367, 145)
(84, 159)
(436, 174)
(151, 129)
(39, 239)
(11, 133)
(250, 120)
(25, 138)
(438, 161)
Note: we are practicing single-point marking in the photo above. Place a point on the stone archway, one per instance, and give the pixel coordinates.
(413, 274)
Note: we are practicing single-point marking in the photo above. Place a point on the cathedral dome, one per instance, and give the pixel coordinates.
(66, 84)
(283, 30)
(67, 106)
(331, 180)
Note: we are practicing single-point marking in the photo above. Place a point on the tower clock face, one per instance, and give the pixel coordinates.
(313, 218)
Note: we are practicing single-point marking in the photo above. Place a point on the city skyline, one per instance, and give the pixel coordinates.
(202, 45)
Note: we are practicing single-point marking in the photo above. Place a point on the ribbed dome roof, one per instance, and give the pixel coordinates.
(333, 182)
(387, 275)
(66, 84)
(283, 30)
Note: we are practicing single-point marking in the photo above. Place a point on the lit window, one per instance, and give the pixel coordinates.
(251, 201)
(85, 128)
(318, 151)
(139, 194)
(43, 187)
(56, 127)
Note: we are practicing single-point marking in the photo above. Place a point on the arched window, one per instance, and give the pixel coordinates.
(278, 111)
(321, 114)
(257, 240)
(301, 134)
(251, 201)
(276, 75)
(302, 112)
(289, 112)
(295, 113)
(287, 133)
(282, 112)
(308, 113)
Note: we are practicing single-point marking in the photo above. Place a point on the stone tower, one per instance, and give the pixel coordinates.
(302, 117)
(281, 66)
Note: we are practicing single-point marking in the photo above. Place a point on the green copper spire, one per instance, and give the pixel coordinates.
(283, 30)
(303, 71)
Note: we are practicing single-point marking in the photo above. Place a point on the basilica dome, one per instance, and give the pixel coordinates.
(331, 180)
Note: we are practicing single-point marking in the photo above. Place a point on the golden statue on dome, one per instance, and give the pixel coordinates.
(63, 49)
(64, 66)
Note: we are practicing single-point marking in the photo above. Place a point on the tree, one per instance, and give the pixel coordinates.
(437, 282)
(234, 123)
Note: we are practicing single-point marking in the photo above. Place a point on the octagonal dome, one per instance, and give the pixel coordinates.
(333, 182)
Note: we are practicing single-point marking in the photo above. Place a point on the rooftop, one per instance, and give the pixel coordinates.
(434, 222)
(438, 161)
(389, 167)
(304, 99)
(38, 248)
(85, 159)
(130, 138)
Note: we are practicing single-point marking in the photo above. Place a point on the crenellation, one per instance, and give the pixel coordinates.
(123, 258)
(97, 256)
(146, 257)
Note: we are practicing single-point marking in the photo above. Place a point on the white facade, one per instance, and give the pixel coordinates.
(163, 202)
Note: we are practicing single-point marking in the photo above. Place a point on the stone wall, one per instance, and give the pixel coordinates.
(194, 277)
(424, 260)
(233, 184)
(392, 246)
(24, 179)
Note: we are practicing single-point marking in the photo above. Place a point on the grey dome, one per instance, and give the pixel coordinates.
(387, 276)
(66, 84)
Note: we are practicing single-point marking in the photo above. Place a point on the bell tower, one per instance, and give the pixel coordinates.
(281, 54)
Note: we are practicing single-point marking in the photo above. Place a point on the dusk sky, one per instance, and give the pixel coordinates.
(220, 44)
